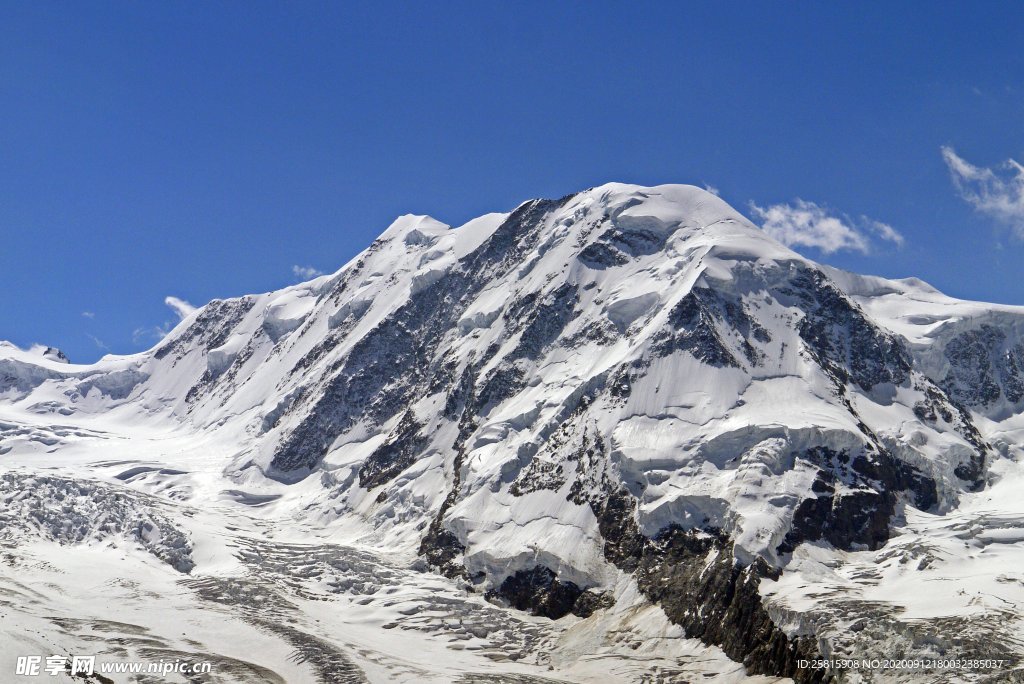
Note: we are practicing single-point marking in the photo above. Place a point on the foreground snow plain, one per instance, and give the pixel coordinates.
(273, 597)
(275, 487)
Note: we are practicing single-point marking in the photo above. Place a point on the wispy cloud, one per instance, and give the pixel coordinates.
(147, 334)
(179, 306)
(306, 272)
(155, 333)
(806, 224)
(98, 342)
(88, 314)
(884, 231)
(998, 192)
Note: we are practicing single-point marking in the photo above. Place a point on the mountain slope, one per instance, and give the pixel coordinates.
(624, 385)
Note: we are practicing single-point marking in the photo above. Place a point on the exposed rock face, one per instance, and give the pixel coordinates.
(395, 455)
(539, 591)
(841, 338)
(692, 329)
(859, 513)
(54, 354)
(694, 577)
(984, 367)
(935, 405)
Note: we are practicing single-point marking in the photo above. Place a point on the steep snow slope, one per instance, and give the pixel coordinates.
(626, 396)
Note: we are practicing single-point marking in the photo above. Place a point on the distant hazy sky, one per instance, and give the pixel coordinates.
(198, 150)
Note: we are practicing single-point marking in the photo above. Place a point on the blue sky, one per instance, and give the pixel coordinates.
(204, 150)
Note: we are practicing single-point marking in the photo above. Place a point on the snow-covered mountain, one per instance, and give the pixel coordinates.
(616, 423)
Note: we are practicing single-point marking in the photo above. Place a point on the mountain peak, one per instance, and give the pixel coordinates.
(626, 395)
(415, 229)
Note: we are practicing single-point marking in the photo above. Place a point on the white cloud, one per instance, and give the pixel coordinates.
(180, 306)
(88, 314)
(306, 272)
(806, 224)
(998, 194)
(712, 189)
(884, 231)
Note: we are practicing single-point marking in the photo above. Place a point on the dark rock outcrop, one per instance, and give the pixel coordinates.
(694, 577)
(539, 591)
(983, 367)
(841, 338)
(393, 456)
(692, 329)
(857, 514)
